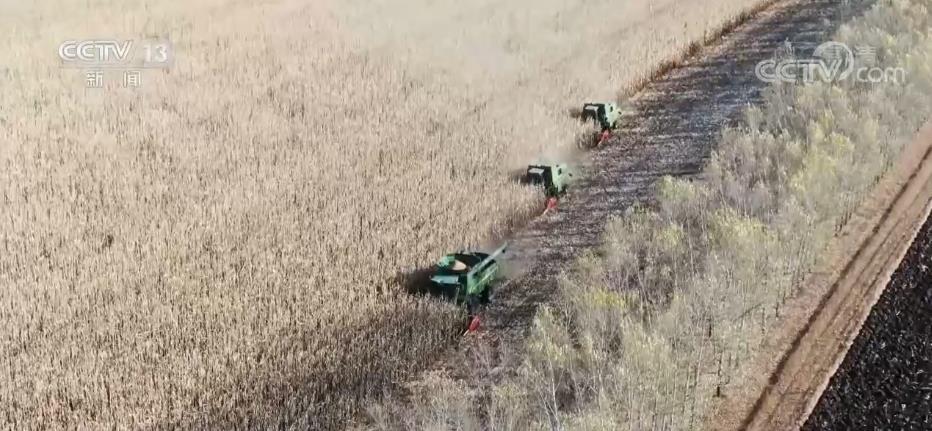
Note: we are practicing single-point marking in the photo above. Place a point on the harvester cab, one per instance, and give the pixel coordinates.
(605, 114)
(467, 276)
(553, 178)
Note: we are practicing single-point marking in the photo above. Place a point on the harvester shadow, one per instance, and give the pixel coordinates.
(574, 113)
(519, 176)
(416, 282)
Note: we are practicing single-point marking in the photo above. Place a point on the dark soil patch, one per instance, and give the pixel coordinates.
(885, 381)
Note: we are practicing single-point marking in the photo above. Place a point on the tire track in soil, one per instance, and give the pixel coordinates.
(885, 381)
(675, 122)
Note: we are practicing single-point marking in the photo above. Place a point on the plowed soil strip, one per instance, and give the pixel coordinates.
(825, 319)
(885, 381)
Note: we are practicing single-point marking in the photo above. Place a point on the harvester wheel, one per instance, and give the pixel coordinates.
(472, 314)
(472, 305)
(486, 295)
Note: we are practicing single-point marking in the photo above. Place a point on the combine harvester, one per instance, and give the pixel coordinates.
(467, 277)
(553, 178)
(605, 116)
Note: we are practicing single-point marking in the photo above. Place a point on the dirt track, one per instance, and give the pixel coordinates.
(794, 368)
(675, 123)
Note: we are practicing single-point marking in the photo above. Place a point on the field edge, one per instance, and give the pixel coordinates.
(789, 373)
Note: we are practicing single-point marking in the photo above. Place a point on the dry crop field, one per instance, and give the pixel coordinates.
(216, 248)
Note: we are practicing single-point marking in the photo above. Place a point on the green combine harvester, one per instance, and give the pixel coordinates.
(467, 276)
(553, 178)
(605, 114)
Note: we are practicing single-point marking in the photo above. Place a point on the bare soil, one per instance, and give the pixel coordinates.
(792, 370)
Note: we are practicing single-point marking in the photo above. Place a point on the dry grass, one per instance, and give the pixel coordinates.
(217, 248)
